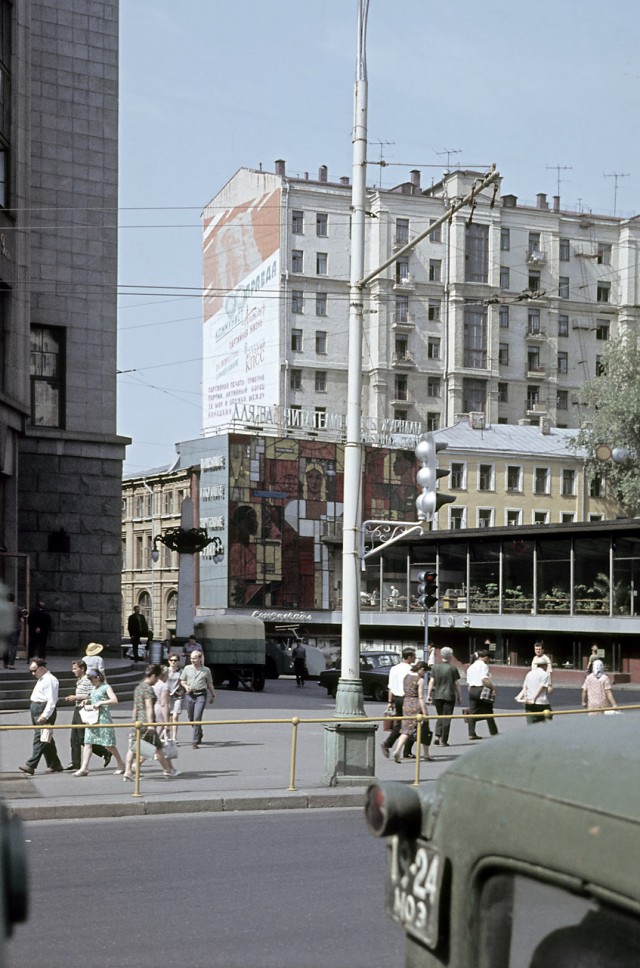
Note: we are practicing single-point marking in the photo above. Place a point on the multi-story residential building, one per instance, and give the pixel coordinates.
(503, 310)
(60, 458)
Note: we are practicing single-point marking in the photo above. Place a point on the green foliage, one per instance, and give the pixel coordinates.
(614, 402)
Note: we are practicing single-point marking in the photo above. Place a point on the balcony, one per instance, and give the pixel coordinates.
(399, 241)
(536, 257)
(536, 334)
(534, 371)
(404, 284)
(403, 361)
(403, 320)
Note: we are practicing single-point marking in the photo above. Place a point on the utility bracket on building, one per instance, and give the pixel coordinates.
(378, 535)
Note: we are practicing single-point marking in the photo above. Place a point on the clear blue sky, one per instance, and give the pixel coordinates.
(209, 86)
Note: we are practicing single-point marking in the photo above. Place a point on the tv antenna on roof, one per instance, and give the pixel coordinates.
(448, 152)
(382, 163)
(615, 175)
(558, 169)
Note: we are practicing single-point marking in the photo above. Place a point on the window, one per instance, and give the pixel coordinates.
(513, 518)
(433, 311)
(503, 354)
(485, 477)
(514, 478)
(402, 270)
(456, 519)
(541, 517)
(563, 325)
(475, 337)
(563, 287)
(534, 243)
(562, 400)
(503, 393)
(563, 362)
(322, 225)
(533, 281)
(457, 477)
(474, 396)
(541, 480)
(401, 388)
(297, 222)
(504, 277)
(533, 322)
(295, 379)
(321, 263)
(596, 486)
(320, 417)
(167, 502)
(297, 260)
(503, 314)
(533, 359)
(505, 240)
(485, 517)
(402, 309)
(140, 506)
(565, 250)
(139, 556)
(568, 517)
(603, 292)
(321, 381)
(321, 342)
(433, 421)
(433, 386)
(321, 304)
(568, 483)
(603, 257)
(435, 269)
(533, 397)
(47, 375)
(400, 414)
(433, 348)
(402, 231)
(476, 254)
(596, 517)
(297, 301)
(296, 341)
(600, 368)
(602, 329)
(436, 234)
(401, 347)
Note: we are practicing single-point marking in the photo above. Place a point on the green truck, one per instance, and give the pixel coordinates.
(524, 854)
(234, 649)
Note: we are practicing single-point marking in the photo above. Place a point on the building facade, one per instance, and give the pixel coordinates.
(60, 458)
(503, 310)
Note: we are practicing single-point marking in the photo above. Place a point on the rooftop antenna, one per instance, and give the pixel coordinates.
(448, 152)
(382, 163)
(558, 169)
(615, 175)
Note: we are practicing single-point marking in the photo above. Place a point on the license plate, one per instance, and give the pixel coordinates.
(413, 888)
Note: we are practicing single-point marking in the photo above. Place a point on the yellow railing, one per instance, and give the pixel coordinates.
(297, 721)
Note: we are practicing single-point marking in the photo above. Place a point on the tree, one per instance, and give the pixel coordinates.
(614, 400)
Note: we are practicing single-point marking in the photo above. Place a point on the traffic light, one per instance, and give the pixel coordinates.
(430, 501)
(427, 589)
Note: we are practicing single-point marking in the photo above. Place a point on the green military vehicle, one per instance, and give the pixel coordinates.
(525, 854)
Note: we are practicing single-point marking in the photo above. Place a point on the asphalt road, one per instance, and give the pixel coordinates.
(296, 889)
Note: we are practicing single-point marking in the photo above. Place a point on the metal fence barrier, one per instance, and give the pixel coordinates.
(296, 721)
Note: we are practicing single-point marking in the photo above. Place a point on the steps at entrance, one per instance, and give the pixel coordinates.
(16, 687)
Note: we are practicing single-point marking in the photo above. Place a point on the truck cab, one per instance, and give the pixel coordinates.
(525, 855)
(234, 649)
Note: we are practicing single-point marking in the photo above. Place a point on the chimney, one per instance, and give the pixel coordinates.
(509, 201)
(556, 203)
(280, 167)
(414, 177)
(541, 200)
(323, 171)
(344, 179)
(545, 425)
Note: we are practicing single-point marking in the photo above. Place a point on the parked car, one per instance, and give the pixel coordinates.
(374, 672)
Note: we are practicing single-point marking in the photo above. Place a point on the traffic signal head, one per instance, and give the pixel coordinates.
(427, 589)
(430, 500)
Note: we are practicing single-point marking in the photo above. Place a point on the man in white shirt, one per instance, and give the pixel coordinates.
(539, 656)
(479, 682)
(536, 689)
(396, 697)
(43, 712)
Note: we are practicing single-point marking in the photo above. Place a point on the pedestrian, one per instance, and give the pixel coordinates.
(299, 657)
(102, 733)
(444, 692)
(138, 629)
(536, 690)
(538, 654)
(39, 625)
(13, 636)
(176, 693)
(595, 654)
(82, 692)
(397, 675)
(596, 691)
(93, 659)
(143, 702)
(481, 695)
(197, 682)
(192, 645)
(413, 704)
(44, 698)
(161, 705)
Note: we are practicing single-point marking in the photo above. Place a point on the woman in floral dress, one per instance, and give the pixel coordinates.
(103, 734)
(596, 691)
(414, 703)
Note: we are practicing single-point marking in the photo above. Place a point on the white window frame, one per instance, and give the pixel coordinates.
(492, 515)
(542, 513)
(492, 478)
(462, 515)
(547, 470)
(512, 524)
(520, 470)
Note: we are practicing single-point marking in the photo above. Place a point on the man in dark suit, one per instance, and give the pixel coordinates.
(137, 628)
(39, 624)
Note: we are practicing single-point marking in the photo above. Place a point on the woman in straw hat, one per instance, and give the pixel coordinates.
(93, 658)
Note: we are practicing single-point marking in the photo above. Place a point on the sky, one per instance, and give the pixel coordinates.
(210, 86)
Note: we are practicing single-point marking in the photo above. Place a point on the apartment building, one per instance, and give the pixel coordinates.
(60, 458)
(504, 310)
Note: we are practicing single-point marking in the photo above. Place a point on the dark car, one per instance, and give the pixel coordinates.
(374, 672)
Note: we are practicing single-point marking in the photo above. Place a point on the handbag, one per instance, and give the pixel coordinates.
(46, 735)
(148, 745)
(170, 748)
(487, 694)
(387, 724)
(89, 714)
